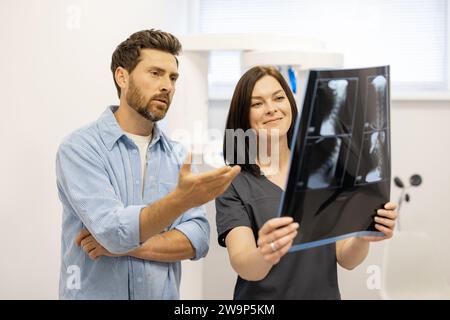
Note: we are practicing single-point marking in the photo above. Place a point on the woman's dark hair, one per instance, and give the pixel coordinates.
(238, 116)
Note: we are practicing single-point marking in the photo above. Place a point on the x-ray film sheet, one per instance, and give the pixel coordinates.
(340, 156)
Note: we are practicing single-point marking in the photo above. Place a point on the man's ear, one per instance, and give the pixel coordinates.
(121, 75)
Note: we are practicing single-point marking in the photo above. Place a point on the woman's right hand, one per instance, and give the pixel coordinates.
(275, 238)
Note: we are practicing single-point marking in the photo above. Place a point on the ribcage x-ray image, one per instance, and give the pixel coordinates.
(340, 161)
(325, 162)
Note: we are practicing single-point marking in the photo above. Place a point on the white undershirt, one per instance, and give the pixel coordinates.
(142, 143)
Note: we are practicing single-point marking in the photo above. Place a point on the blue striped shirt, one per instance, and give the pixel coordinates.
(98, 171)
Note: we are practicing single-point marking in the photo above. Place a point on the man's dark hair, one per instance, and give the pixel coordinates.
(128, 52)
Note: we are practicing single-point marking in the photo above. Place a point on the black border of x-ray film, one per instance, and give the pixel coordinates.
(299, 143)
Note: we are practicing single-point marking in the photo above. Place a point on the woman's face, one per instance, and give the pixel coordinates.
(270, 108)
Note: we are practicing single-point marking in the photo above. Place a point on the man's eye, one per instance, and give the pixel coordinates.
(154, 73)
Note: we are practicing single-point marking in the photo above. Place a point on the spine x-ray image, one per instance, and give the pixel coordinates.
(340, 163)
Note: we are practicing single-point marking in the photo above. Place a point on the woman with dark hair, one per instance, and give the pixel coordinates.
(261, 118)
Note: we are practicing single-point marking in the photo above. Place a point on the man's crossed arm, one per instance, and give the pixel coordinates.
(169, 246)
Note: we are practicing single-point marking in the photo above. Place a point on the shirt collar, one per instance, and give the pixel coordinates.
(110, 131)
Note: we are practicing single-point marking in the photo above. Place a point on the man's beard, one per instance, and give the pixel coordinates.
(137, 101)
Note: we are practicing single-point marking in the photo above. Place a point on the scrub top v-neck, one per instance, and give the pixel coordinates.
(308, 274)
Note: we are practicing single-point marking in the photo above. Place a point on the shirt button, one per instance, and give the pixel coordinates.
(139, 279)
(137, 181)
(134, 151)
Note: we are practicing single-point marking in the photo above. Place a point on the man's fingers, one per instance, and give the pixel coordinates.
(223, 181)
(213, 175)
(216, 189)
(86, 240)
(88, 247)
(186, 166)
(273, 224)
(219, 185)
(233, 173)
(93, 254)
(81, 235)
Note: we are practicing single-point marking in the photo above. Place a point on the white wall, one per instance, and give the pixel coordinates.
(54, 63)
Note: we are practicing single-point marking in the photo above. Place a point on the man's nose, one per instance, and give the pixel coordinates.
(166, 85)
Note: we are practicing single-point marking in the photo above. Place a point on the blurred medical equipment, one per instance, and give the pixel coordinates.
(414, 181)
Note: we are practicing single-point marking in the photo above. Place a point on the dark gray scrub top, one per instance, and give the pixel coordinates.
(308, 274)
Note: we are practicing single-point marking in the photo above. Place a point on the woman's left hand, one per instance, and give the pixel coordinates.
(384, 222)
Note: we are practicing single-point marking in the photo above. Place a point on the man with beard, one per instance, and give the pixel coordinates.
(130, 200)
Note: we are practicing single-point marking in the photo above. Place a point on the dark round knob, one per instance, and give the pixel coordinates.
(415, 180)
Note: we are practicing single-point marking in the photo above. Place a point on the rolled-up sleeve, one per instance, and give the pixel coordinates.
(195, 227)
(84, 186)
